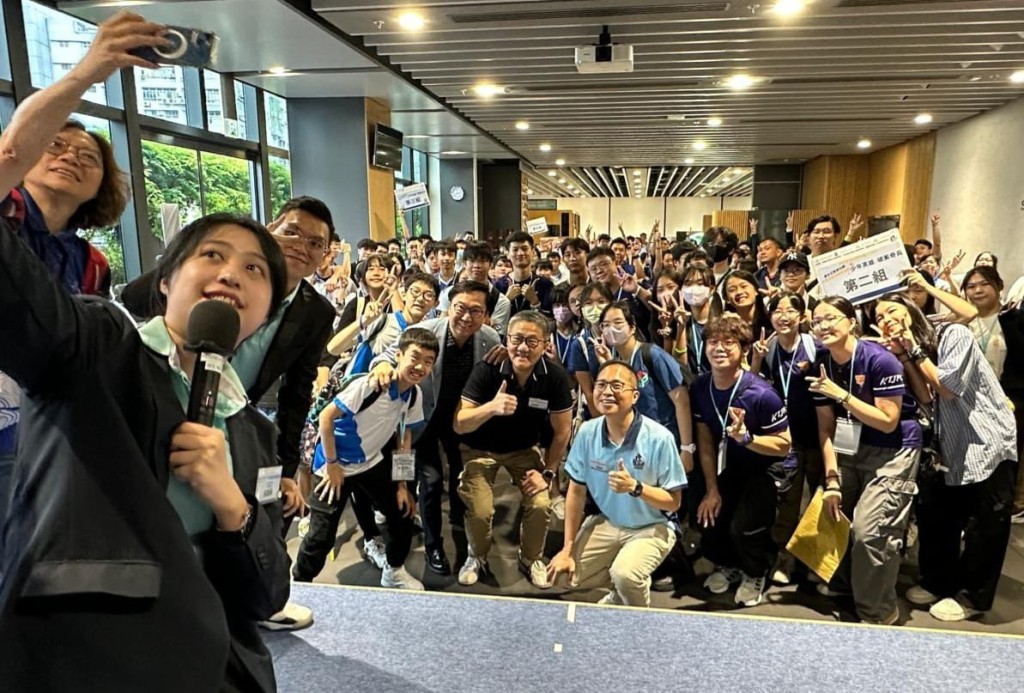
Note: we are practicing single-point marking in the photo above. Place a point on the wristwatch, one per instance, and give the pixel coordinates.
(691, 448)
(747, 439)
(638, 490)
(549, 475)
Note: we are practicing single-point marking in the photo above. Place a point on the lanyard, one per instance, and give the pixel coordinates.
(618, 296)
(786, 370)
(986, 336)
(698, 342)
(853, 362)
(562, 353)
(724, 420)
(615, 353)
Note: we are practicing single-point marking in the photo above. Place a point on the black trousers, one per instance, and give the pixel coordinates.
(742, 534)
(430, 477)
(981, 513)
(375, 484)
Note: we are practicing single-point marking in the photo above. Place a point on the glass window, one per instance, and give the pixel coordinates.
(227, 184)
(414, 170)
(214, 101)
(245, 110)
(56, 43)
(161, 93)
(277, 121)
(280, 182)
(172, 178)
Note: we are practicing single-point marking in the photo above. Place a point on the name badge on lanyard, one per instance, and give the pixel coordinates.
(268, 484)
(721, 453)
(403, 466)
(847, 438)
(724, 420)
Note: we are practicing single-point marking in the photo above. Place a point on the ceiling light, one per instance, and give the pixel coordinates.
(788, 8)
(740, 81)
(639, 195)
(571, 186)
(637, 172)
(552, 174)
(522, 125)
(923, 119)
(1017, 77)
(976, 78)
(410, 21)
(726, 179)
(864, 144)
(700, 145)
(452, 152)
(688, 161)
(486, 91)
(562, 181)
(277, 70)
(676, 117)
(529, 191)
(545, 147)
(714, 122)
(559, 162)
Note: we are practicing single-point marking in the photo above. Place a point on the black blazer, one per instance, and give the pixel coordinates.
(294, 355)
(100, 587)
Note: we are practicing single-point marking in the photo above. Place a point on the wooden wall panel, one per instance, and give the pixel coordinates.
(917, 189)
(706, 222)
(801, 218)
(888, 175)
(848, 183)
(815, 183)
(380, 182)
(735, 219)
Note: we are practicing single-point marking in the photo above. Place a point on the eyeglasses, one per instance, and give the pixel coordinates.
(86, 157)
(460, 309)
(425, 295)
(615, 324)
(787, 313)
(292, 233)
(724, 343)
(792, 269)
(518, 340)
(616, 386)
(826, 321)
(603, 264)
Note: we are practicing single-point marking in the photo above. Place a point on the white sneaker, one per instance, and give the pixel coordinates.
(611, 598)
(558, 507)
(291, 617)
(1017, 518)
(374, 552)
(920, 596)
(378, 518)
(751, 591)
(950, 610)
(303, 527)
(722, 579)
(537, 572)
(399, 579)
(472, 569)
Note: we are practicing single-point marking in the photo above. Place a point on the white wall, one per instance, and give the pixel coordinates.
(978, 187)
(639, 214)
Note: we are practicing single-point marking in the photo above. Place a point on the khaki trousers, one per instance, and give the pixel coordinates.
(476, 483)
(621, 558)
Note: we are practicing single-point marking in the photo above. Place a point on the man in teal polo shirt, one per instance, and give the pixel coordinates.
(631, 467)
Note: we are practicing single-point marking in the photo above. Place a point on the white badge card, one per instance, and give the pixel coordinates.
(721, 454)
(268, 484)
(847, 438)
(538, 403)
(403, 466)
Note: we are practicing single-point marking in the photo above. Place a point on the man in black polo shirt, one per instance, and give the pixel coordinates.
(502, 414)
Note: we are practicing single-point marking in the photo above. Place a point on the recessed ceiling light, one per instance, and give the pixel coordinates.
(410, 21)
(562, 181)
(923, 119)
(277, 70)
(741, 81)
(726, 179)
(486, 91)
(571, 186)
(545, 147)
(788, 8)
(522, 125)
(864, 144)
(976, 78)
(1017, 77)
(639, 195)
(559, 162)
(676, 117)
(700, 145)
(452, 152)
(529, 191)
(552, 174)
(637, 172)
(687, 161)
(714, 122)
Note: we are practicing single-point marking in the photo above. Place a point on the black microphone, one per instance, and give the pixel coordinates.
(212, 332)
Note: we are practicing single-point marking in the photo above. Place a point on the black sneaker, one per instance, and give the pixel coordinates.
(438, 562)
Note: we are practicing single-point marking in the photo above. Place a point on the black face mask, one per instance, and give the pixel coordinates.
(717, 252)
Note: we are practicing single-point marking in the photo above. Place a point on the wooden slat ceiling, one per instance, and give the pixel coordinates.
(840, 71)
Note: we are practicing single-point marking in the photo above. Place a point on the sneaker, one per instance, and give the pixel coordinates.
(379, 519)
(303, 528)
(663, 584)
(950, 610)
(1017, 518)
(536, 571)
(780, 577)
(890, 620)
(374, 552)
(611, 599)
(826, 591)
(722, 579)
(558, 508)
(471, 570)
(750, 591)
(291, 617)
(399, 579)
(920, 596)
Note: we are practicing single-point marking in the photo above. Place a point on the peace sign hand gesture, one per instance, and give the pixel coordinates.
(824, 386)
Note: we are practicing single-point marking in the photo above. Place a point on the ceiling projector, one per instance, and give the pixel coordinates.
(604, 56)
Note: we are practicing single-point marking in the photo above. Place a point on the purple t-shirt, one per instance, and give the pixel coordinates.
(765, 414)
(792, 370)
(876, 373)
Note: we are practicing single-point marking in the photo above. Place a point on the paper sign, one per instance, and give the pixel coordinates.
(864, 270)
(535, 226)
(170, 221)
(412, 197)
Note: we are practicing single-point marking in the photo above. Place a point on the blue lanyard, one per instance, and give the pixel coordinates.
(786, 370)
(562, 353)
(853, 363)
(724, 419)
(698, 342)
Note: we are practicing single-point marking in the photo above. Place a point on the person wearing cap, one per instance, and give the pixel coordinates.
(795, 270)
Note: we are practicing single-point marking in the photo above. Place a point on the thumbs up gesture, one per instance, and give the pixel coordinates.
(503, 403)
(619, 480)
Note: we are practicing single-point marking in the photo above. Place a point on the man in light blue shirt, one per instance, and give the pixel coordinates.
(630, 465)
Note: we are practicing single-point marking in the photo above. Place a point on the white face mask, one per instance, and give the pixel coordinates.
(696, 295)
(615, 337)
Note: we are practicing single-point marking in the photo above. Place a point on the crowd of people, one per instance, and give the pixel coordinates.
(637, 388)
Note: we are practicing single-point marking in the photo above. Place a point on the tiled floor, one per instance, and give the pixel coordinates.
(348, 567)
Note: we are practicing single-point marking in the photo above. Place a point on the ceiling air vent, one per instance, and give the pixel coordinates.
(587, 13)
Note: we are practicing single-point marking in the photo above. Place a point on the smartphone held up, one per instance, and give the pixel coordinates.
(188, 47)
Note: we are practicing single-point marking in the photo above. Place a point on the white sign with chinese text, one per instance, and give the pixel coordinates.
(864, 270)
(412, 197)
(536, 226)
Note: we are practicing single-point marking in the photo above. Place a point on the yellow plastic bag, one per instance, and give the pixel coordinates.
(819, 541)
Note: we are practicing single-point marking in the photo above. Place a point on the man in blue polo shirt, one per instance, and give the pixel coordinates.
(631, 467)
